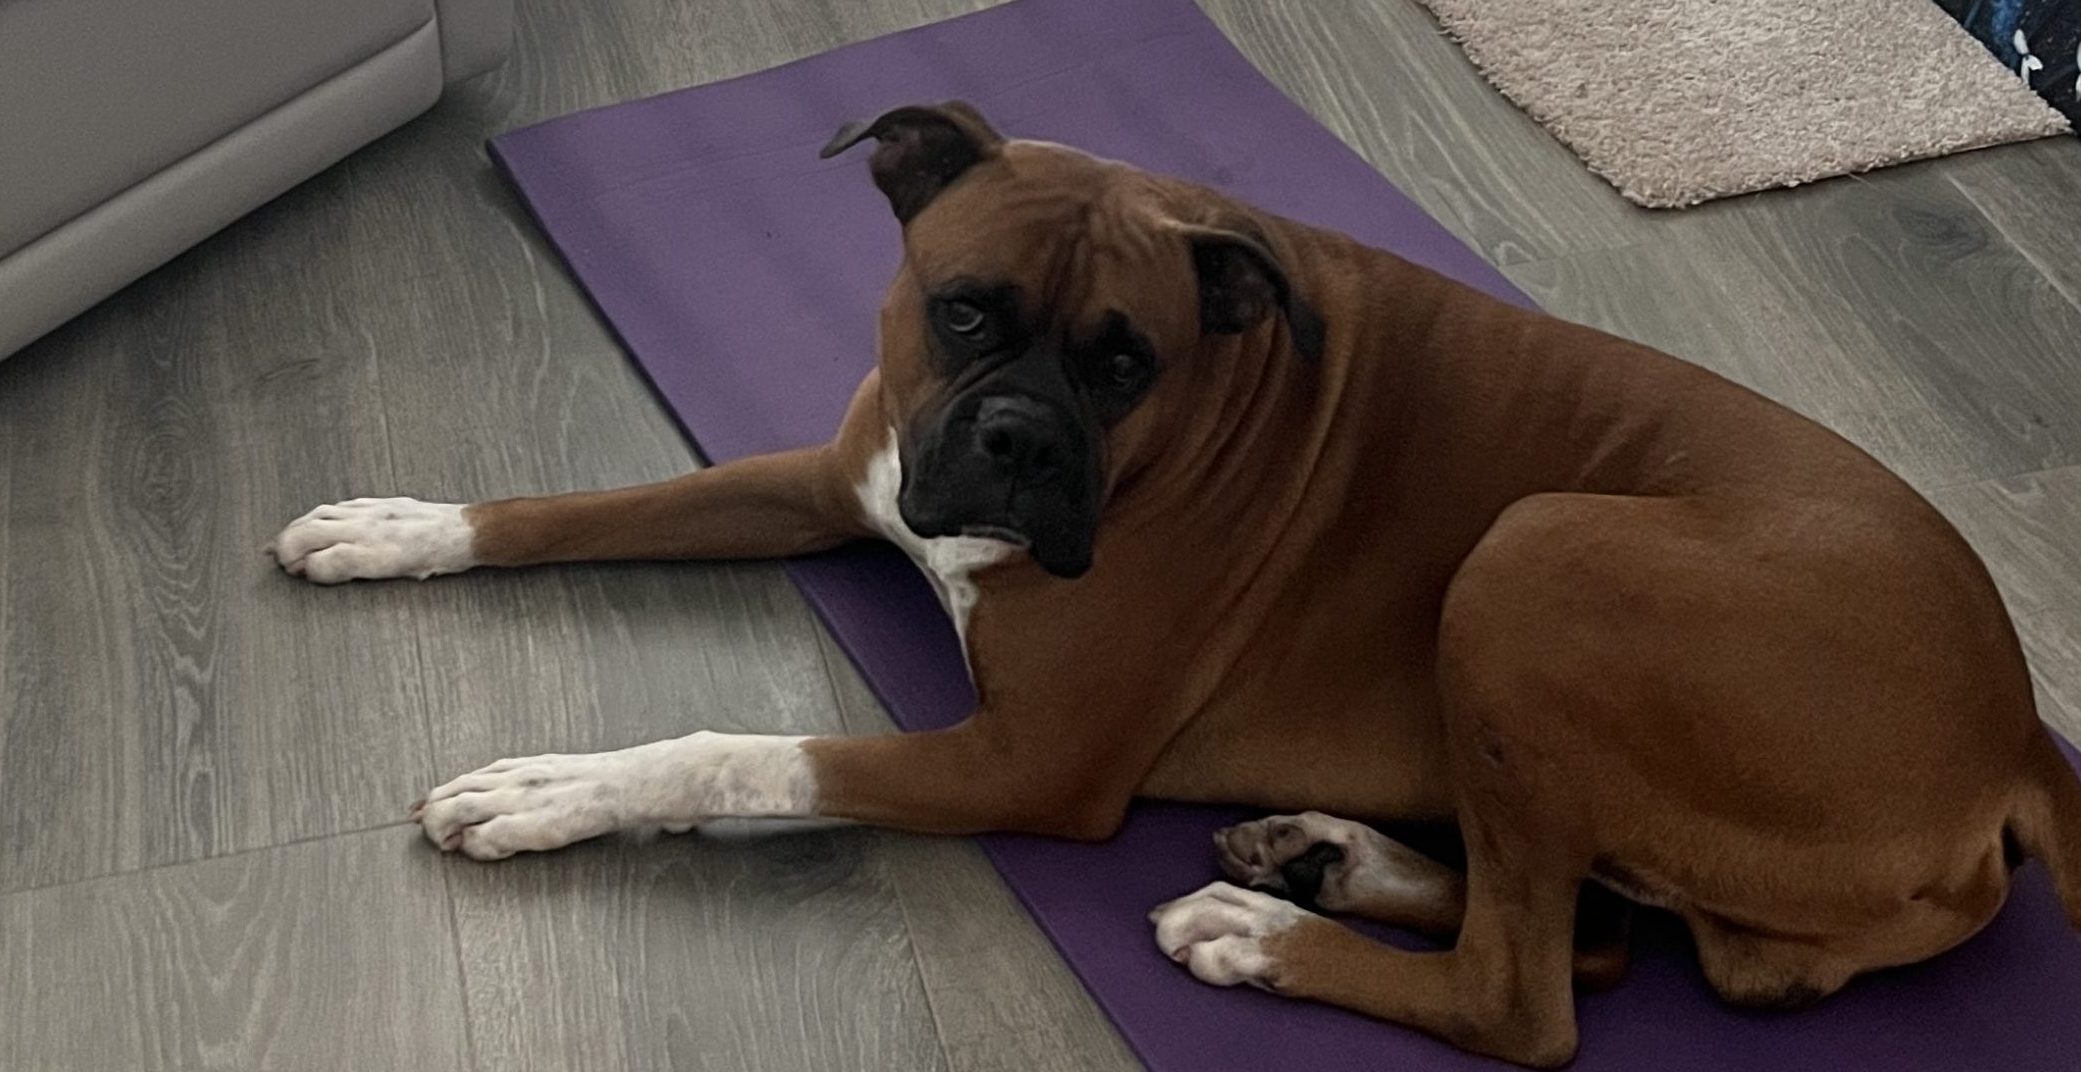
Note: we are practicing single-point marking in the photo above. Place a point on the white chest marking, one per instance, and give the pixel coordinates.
(949, 562)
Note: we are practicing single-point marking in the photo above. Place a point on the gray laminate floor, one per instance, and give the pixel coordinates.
(204, 765)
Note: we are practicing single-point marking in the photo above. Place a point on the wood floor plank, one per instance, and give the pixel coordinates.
(2028, 529)
(1703, 304)
(767, 953)
(1887, 307)
(1950, 318)
(571, 54)
(325, 954)
(1383, 76)
(2052, 638)
(167, 693)
(2032, 193)
(1003, 999)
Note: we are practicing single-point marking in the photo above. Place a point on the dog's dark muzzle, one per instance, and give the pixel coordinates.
(1008, 467)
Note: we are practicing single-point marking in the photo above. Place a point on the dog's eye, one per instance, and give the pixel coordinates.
(1126, 370)
(962, 318)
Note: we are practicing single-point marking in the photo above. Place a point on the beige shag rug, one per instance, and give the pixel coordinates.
(1680, 101)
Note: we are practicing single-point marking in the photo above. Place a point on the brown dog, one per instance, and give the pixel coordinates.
(1230, 509)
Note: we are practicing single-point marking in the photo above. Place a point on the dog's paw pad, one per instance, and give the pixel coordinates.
(1295, 854)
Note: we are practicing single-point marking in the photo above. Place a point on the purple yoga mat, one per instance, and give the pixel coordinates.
(743, 274)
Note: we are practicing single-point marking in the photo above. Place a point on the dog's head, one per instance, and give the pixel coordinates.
(1048, 304)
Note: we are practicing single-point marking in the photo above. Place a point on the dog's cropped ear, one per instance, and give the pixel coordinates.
(924, 148)
(1241, 282)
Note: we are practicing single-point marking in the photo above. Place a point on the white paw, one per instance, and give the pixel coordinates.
(530, 805)
(1219, 933)
(367, 539)
(547, 802)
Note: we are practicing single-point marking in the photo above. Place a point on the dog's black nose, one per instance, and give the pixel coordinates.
(1016, 436)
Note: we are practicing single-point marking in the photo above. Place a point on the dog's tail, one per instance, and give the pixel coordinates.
(2047, 823)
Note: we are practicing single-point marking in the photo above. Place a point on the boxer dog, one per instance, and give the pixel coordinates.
(1230, 509)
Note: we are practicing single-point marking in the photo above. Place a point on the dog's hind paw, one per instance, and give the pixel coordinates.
(1302, 856)
(1337, 865)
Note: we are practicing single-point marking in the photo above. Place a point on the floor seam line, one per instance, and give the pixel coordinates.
(212, 858)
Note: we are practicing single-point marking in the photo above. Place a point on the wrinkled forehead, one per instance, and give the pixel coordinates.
(1078, 240)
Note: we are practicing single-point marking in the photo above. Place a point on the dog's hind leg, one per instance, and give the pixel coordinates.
(1346, 867)
(1502, 990)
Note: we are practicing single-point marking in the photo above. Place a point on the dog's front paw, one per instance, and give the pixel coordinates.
(529, 805)
(369, 539)
(1225, 934)
(547, 802)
